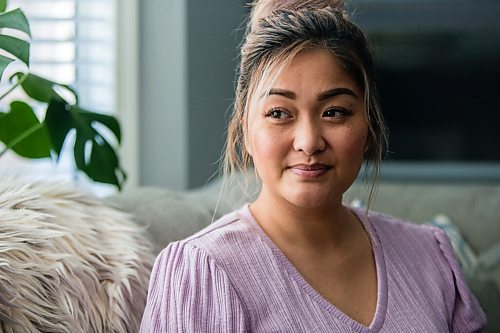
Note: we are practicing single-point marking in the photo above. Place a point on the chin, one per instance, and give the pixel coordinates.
(312, 200)
(304, 204)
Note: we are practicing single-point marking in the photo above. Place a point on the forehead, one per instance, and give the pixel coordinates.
(311, 68)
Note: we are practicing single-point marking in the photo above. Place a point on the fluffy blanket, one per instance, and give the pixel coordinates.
(68, 262)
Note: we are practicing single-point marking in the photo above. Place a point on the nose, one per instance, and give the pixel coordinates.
(309, 137)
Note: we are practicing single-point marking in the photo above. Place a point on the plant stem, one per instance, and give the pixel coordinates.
(21, 137)
(18, 83)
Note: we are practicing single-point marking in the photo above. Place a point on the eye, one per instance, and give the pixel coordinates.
(277, 113)
(336, 112)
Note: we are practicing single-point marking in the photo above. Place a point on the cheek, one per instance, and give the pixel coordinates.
(262, 144)
(265, 145)
(353, 142)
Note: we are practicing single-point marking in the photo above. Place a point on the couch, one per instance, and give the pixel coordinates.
(133, 226)
(470, 213)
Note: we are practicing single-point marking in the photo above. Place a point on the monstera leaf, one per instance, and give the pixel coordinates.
(21, 130)
(93, 154)
(16, 48)
(96, 135)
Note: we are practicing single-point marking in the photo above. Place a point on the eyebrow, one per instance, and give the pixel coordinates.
(321, 97)
(282, 92)
(335, 92)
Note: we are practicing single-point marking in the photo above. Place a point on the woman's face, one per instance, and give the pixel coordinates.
(307, 137)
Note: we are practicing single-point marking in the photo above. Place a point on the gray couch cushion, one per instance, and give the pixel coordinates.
(167, 215)
(475, 209)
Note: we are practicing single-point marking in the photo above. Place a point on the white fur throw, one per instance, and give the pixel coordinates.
(68, 263)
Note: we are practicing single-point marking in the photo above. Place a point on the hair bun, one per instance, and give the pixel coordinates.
(263, 8)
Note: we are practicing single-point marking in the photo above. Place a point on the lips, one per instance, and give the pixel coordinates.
(310, 170)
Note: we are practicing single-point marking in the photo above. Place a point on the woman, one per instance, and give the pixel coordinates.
(296, 259)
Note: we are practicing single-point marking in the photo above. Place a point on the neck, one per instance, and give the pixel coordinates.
(308, 227)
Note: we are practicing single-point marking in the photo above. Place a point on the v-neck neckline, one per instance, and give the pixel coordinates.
(381, 308)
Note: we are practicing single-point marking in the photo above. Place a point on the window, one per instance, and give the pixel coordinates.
(72, 43)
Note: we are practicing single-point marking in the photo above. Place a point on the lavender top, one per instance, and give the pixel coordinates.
(230, 277)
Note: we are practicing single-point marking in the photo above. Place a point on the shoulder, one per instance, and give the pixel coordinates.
(398, 231)
(204, 253)
(422, 255)
(403, 234)
(423, 249)
(225, 227)
(188, 290)
(224, 242)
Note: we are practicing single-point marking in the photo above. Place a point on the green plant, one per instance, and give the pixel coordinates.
(22, 132)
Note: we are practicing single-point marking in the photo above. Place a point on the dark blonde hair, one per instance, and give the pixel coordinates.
(263, 8)
(276, 32)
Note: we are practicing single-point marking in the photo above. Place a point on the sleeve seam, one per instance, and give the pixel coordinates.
(232, 284)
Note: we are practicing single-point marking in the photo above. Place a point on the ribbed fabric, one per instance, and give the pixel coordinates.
(231, 277)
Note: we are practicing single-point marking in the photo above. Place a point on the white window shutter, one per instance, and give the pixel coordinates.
(72, 43)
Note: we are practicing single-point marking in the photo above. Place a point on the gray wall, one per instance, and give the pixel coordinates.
(187, 61)
(162, 96)
(188, 52)
(213, 39)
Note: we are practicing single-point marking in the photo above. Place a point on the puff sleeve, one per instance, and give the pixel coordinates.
(467, 315)
(188, 292)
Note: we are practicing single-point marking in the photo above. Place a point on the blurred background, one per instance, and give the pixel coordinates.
(166, 70)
